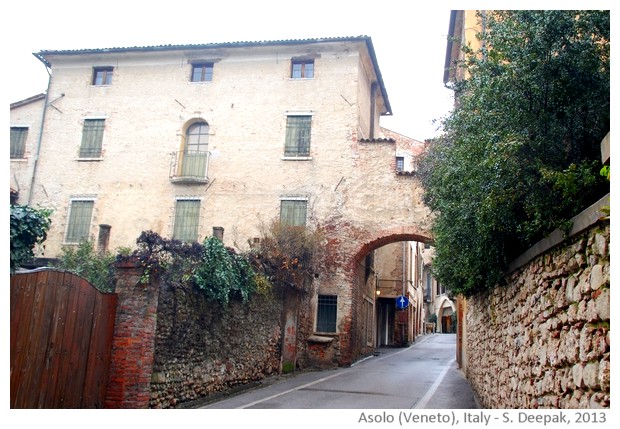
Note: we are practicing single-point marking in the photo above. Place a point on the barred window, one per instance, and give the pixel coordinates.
(78, 226)
(297, 136)
(400, 163)
(326, 313)
(293, 212)
(186, 220)
(92, 138)
(18, 142)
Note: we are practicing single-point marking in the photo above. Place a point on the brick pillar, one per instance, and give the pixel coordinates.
(133, 347)
(290, 313)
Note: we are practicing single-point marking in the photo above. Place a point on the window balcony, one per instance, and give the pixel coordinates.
(189, 167)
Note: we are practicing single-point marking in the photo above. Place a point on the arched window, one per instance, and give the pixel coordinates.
(197, 137)
(195, 151)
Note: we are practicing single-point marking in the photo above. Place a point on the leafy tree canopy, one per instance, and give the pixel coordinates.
(520, 152)
(83, 260)
(29, 227)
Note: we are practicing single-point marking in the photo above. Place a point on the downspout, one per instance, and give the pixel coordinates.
(404, 335)
(36, 156)
(404, 266)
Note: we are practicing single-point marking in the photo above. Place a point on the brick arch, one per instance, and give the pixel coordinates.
(350, 259)
(387, 236)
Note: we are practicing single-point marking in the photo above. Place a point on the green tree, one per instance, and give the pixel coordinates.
(97, 268)
(29, 227)
(520, 151)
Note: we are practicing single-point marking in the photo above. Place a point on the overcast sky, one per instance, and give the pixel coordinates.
(409, 38)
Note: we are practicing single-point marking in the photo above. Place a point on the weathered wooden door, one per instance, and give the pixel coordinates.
(61, 336)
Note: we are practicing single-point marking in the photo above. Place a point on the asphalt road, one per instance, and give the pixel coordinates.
(422, 376)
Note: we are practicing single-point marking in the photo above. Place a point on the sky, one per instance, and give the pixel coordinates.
(410, 47)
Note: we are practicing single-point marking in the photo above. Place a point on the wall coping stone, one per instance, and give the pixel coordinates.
(580, 223)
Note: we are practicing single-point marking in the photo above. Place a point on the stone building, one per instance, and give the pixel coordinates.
(188, 140)
(439, 307)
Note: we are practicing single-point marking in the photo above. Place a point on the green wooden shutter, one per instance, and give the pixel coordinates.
(18, 142)
(186, 220)
(297, 136)
(92, 138)
(293, 212)
(80, 214)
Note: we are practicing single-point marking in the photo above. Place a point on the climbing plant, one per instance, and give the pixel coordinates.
(219, 272)
(224, 274)
(286, 256)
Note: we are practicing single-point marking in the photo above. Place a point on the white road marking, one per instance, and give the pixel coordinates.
(431, 391)
(291, 390)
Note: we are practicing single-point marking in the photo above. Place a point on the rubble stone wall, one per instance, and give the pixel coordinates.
(202, 349)
(543, 341)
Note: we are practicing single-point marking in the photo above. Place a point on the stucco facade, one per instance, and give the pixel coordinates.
(144, 106)
(150, 103)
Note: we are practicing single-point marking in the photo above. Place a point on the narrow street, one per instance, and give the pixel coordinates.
(422, 376)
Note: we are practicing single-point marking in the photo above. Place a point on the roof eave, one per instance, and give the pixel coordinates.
(44, 54)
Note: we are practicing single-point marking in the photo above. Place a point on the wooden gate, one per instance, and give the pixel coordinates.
(61, 336)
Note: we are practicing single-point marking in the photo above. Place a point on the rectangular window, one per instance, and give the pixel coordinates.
(186, 220)
(202, 72)
(400, 163)
(326, 313)
(92, 138)
(78, 226)
(102, 75)
(18, 142)
(302, 69)
(428, 287)
(297, 136)
(440, 289)
(293, 212)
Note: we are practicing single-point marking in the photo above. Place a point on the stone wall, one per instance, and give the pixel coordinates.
(544, 340)
(202, 348)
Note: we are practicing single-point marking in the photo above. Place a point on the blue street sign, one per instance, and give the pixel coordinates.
(402, 302)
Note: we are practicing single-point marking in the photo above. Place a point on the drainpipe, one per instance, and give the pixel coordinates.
(404, 266)
(36, 156)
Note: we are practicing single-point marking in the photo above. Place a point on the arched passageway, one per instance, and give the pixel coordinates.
(374, 269)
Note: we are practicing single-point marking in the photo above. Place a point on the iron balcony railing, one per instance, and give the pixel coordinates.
(192, 166)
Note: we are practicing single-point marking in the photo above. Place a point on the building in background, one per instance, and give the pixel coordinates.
(439, 307)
